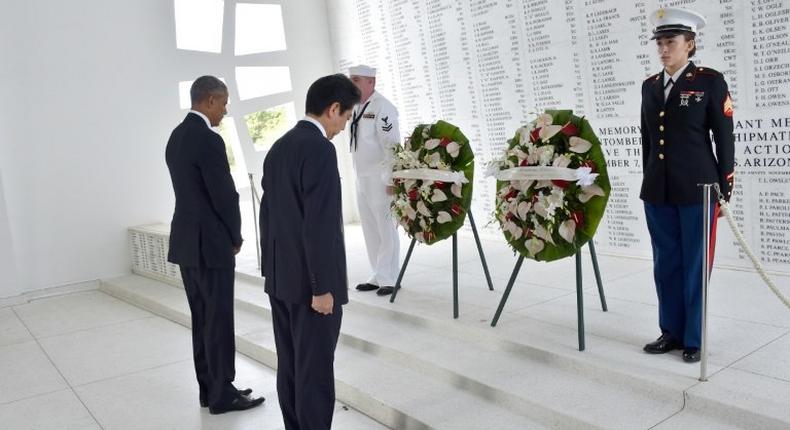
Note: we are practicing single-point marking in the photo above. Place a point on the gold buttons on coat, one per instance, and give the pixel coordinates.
(661, 156)
(661, 114)
(661, 142)
(660, 128)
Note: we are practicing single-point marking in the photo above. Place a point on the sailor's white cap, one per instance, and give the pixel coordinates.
(362, 70)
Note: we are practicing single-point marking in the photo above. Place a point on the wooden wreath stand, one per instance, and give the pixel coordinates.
(455, 264)
(579, 294)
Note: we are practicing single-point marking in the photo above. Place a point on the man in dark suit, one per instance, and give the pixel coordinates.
(205, 237)
(681, 107)
(303, 253)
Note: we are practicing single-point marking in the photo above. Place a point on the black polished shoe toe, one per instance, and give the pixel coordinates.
(241, 403)
(662, 345)
(691, 355)
(367, 287)
(385, 291)
(244, 392)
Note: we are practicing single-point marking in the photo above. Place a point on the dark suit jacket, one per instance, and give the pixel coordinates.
(207, 222)
(676, 147)
(303, 252)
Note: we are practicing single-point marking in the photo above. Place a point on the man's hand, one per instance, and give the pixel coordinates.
(323, 304)
(236, 250)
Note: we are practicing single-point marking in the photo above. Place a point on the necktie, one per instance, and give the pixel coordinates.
(668, 88)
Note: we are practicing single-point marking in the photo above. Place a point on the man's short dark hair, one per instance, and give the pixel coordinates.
(206, 86)
(331, 89)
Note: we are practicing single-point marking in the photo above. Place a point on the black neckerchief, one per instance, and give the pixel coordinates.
(355, 126)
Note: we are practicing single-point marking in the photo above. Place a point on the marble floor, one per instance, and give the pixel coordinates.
(90, 361)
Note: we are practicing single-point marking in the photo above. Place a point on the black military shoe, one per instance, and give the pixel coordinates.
(367, 287)
(662, 345)
(691, 355)
(385, 291)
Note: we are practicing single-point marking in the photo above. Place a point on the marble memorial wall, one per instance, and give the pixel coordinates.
(489, 66)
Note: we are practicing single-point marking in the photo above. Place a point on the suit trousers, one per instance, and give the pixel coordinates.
(210, 296)
(305, 343)
(379, 229)
(676, 238)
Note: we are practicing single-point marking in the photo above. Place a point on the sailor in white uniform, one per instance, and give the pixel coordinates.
(374, 134)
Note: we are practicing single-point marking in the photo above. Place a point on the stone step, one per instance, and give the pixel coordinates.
(407, 369)
(394, 395)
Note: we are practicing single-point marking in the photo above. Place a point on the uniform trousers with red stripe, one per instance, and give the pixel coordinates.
(676, 238)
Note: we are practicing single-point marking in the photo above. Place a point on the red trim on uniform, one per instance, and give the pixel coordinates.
(712, 245)
(730, 175)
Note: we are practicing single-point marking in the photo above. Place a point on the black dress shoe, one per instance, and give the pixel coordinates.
(244, 392)
(662, 345)
(367, 287)
(691, 355)
(240, 403)
(385, 291)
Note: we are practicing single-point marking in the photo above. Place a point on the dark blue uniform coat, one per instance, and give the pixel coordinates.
(677, 155)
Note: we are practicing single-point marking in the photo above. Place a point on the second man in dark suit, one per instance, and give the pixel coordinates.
(205, 237)
(303, 253)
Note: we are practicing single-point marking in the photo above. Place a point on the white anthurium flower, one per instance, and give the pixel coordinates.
(432, 143)
(453, 148)
(534, 246)
(433, 159)
(544, 184)
(443, 217)
(426, 132)
(512, 207)
(561, 161)
(438, 195)
(423, 224)
(548, 132)
(456, 190)
(422, 209)
(410, 212)
(523, 210)
(590, 192)
(540, 209)
(545, 155)
(579, 145)
(544, 120)
(514, 230)
(567, 230)
(542, 233)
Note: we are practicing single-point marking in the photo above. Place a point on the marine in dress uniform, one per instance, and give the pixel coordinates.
(681, 106)
(374, 135)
